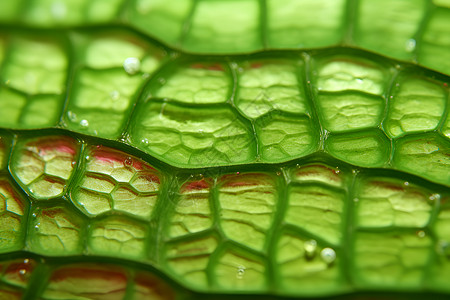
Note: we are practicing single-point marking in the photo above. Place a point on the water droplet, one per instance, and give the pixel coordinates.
(31, 191)
(22, 271)
(26, 261)
(34, 215)
(145, 141)
(161, 80)
(421, 233)
(37, 226)
(114, 95)
(240, 272)
(72, 116)
(74, 163)
(337, 171)
(328, 255)
(406, 183)
(410, 45)
(88, 157)
(132, 65)
(355, 199)
(359, 80)
(310, 248)
(128, 162)
(278, 173)
(397, 84)
(434, 197)
(84, 123)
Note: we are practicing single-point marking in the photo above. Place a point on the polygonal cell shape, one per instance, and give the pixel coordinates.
(115, 180)
(12, 217)
(36, 73)
(92, 281)
(55, 231)
(196, 83)
(247, 206)
(302, 269)
(115, 66)
(188, 260)
(350, 93)
(417, 104)
(192, 212)
(386, 202)
(270, 85)
(45, 165)
(193, 136)
(224, 27)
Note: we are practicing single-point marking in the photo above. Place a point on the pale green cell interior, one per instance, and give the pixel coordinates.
(36, 67)
(428, 155)
(189, 259)
(268, 87)
(383, 202)
(282, 138)
(322, 23)
(44, 165)
(317, 210)
(193, 136)
(238, 272)
(191, 214)
(417, 105)
(389, 27)
(118, 237)
(391, 260)
(295, 267)
(48, 13)
(365, 149)
(341, 74)
(224, 26)
(247, 210)
(12, 213)
(55, 231)
(350, 110)
(196, 85)
(433, 51)
(160, 18)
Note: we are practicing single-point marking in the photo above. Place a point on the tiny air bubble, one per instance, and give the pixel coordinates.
(410, 45)
(240, 272)
(132, 65)
(114, 95)
(328, 255)
(310, 248)
(421, 234)
(84, 123)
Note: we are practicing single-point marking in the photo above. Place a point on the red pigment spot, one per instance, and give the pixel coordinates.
(59, 144)
(109, 155)
(316, 170)
(390, 186)
(195, 186)
(256, 65)
(249, 179)
(153, 288)
(445, 84)
(90, 272)
(152, 178)
(11, 193)
(212, 67)
(51, 213)
(19, 271)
